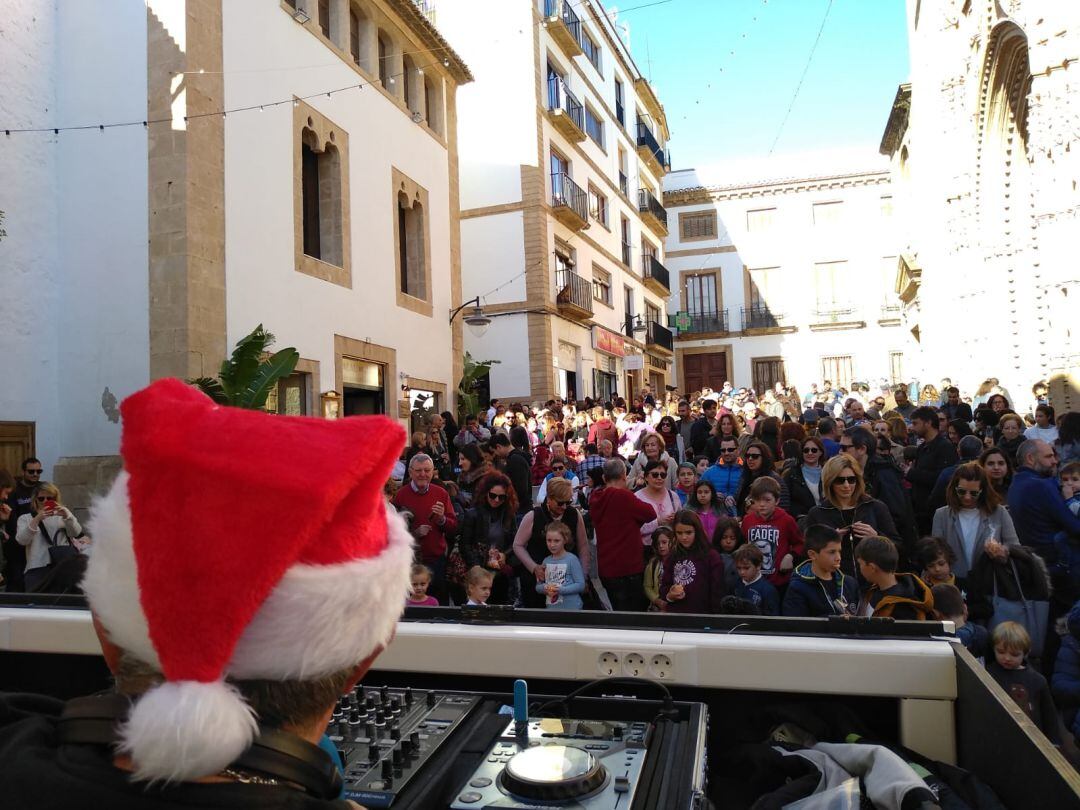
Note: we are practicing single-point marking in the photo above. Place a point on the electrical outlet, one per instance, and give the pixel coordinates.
(608, 663)
(660, 667)
(634, 665)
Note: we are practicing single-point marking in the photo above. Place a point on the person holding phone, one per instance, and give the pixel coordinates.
(49, 524)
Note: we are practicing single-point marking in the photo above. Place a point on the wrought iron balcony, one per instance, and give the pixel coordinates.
(704, 322)
(569, 202)
(564, 25)
(573, 294)
(564, 110)
(659, 336)
(649, 148)
(761, 317)
(656, 276)
(652, 212)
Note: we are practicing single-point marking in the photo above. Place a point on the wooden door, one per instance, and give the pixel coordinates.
(701, 370)
(767, 372)
(16, 444)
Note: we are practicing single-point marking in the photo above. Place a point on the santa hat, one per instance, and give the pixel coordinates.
(239, 543)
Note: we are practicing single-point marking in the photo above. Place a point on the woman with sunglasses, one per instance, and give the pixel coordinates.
(530, 543)
(758, 461)
(973, 521)
(803, 479)
(846, 507)
(49, 524)
(560, 468)
(487, 532)
(660, 497)
(652, 449)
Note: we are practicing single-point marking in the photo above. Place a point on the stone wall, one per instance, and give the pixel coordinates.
(83, 478)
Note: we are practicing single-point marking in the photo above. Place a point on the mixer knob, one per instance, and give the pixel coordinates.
(380, 718)
(373, 754)
(369, 730)
(414, 740)
(371, 700)
(397, 756)
(408, 696)
(387, 770)
(354, 715)
(395, 732)
(432, 699)
(385, 692)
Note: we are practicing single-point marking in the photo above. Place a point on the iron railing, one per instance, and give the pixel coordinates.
(706, 322)
(834, 312)
(648, 140)
(651, 268)
(560, 98)
(565, 191)
(760, 317)
(648, 204)
(562, 9)
(570, 288)
(659, 335)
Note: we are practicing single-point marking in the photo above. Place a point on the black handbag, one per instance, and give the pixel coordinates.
(58, 553)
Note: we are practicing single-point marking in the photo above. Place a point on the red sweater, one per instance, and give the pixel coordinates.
(776, 538)
(432, 544)
(618, 517)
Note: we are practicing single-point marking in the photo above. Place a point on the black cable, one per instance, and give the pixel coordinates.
(668, 712)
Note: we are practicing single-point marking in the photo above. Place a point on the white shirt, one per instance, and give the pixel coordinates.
(969, 530)
(1047, 434)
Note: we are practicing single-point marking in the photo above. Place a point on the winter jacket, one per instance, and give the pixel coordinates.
(775, 538)
(603, 429)
(998, 525)
(931, 458)
(809, 595)
(474, 538)
(699, 435)
(761, 594)
(725, 479)
(868, 510)
(1038, 510)
(1065, 683)
(518, 470)
(910, 598)
(617, 518)
(885, 482)
(702, 578)
(799, 494)
(1030, 568)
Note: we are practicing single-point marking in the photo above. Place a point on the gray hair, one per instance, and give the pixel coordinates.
(420, 458)
(614, 469)
(1027, 448)
(969, 448)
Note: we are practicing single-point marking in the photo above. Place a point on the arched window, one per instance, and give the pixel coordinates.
(411, 258)
(433, 103)
(321, 199)
(412, 81)
(386, 57)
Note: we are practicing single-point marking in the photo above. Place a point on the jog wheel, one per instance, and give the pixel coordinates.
(552, 773)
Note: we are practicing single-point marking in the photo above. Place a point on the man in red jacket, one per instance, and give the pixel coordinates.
(617, 517)
(433, 519)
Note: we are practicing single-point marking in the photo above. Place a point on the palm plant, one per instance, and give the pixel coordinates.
(247, 378)
(472, 372)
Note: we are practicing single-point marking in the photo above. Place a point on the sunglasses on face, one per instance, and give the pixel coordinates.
(846, 479)
(846, 446)
(563, 503)
(657, 475)
(728, 449)
(753, 455)
(974, 493)
(497, 496)
(557, 469)
(813, 451)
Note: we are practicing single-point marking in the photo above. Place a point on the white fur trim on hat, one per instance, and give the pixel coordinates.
(183, 730)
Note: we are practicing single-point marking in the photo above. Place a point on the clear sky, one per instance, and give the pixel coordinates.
(724, 107)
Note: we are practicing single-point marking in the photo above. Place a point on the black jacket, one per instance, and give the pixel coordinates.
(699, 435)
(884, 481)
(519, 471)
(868, 510)
(1033, 581)
(799, 494)
(961, 410)
(931, 458)
(473, 540)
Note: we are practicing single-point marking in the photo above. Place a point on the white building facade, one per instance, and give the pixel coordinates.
(985, 144)
(563, 151)
(784, 281)
(323, 205)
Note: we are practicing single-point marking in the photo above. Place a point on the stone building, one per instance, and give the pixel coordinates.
(324, 206)
(785, 279)
(985, 149)
(563, 150)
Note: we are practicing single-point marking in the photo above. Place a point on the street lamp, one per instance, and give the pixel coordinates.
(634, 326)
(477, 322)
(301, 16)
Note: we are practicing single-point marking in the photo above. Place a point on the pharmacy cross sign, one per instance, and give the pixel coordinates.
(682, 321)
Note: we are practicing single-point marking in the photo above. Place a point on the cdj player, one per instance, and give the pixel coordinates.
(405, 748)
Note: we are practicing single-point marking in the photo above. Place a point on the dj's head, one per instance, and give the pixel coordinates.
(209, 623)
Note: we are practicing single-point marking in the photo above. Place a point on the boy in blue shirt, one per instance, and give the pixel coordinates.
(818, 587)
(563, 580)
(752, 586)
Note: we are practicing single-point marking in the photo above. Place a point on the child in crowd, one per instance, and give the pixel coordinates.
(686, 476)
(772, 530)
(478, 583)
(901, 596)
(662, 540)
(420, 578)
(1026, 686)
(692, 580)
(708, 506)
(935, 558)
(949, 607)
(1070, 485)
(701, 463)
(726, 537)
(564, 579)
(753, 587)
(818, 587)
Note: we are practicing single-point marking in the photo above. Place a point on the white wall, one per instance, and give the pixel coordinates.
(493, 251)
(507, 338)
(265, 51)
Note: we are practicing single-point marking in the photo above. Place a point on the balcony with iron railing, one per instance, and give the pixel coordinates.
(700, 323)
(649, 148)
(890, 315)
(569, 202)
(573, 294)
(564, 25)
(652, 212)
(564, 110)
(829, 316)
(659, 336)
(760, 316)
(655, 275)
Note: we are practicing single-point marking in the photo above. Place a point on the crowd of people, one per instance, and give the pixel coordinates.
(900, 503)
